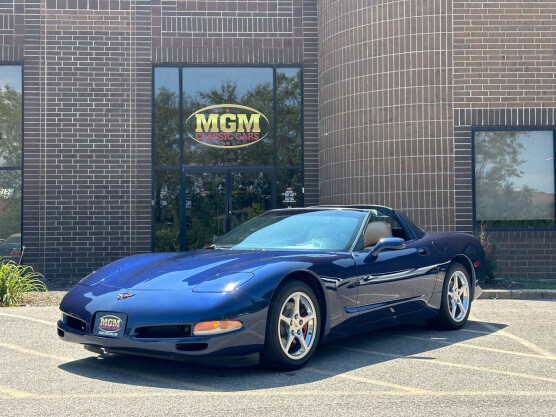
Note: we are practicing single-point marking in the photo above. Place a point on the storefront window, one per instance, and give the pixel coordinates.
(514, 178)
(166, 123)
(225, 134)
(234, 150)
(288, 110)
(10, 161)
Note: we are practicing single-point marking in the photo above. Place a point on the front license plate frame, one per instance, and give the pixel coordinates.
(109, 324)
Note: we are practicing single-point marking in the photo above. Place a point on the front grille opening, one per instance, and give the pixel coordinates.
(75, 323)
(163, 332)
(191, 347)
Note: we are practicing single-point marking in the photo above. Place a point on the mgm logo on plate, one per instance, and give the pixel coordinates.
(109, 324)
(227, 126)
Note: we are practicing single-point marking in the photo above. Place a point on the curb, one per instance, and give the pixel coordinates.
(518, 295)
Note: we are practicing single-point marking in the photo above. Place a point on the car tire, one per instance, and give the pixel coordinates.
(456, 299)
(292, 328)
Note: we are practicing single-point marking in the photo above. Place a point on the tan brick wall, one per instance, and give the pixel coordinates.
(504, 53)
(385, 107)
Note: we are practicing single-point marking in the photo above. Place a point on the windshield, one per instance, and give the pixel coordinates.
(13, 239)
(331, 230)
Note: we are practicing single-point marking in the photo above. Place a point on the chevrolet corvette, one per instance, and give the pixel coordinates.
(277, 286)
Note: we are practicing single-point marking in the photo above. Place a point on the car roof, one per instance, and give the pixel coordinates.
(355, 206)
(365, 208)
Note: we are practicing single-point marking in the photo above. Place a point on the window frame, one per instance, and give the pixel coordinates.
(21, 167)
(475, 129)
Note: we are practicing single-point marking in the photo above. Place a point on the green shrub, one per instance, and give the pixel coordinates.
(15, 281)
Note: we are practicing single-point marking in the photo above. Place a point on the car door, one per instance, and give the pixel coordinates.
(397, 281)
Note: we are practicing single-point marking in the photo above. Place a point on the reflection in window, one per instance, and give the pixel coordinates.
(251, 196)
(251, 87)
(167, 116)
(10, 115)
(288, 116)
(10, 161)
(204, 208)
(167, 210)
(221, 176)
(514, 178)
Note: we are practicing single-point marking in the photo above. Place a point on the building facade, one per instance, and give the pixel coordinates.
(132, 126)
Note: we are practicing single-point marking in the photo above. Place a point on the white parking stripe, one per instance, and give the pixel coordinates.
(455, 365)
(520, 340)
(14, 393)
(50, 323)
(467, 345)
(367, 380)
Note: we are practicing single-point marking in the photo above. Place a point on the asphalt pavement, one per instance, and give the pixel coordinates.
(503, 363)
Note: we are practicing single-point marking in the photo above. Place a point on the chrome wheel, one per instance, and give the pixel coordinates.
(296, 325)
(458, 296)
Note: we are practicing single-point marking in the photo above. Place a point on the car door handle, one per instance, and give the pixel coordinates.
(423, 251)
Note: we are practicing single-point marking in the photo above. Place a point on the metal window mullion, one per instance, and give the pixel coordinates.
(273, 197)
(183, 239)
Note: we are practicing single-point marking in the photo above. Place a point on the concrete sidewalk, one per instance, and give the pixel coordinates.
(517, 294)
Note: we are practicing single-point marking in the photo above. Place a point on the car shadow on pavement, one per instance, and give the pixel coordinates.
(343, 356)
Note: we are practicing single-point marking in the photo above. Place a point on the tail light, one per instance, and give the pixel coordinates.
(14, 253)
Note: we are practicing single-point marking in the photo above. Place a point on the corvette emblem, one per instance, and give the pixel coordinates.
(124, 295)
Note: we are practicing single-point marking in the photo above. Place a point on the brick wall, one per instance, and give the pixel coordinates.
(13, 29)
(87, 83)
(504, 75)
(385, 107)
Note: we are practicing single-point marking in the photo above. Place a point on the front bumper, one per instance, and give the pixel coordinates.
(164, 308)
(226, 349)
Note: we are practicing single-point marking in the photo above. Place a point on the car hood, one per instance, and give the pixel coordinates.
(216, 269)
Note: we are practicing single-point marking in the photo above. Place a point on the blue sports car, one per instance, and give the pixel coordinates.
(275, 287)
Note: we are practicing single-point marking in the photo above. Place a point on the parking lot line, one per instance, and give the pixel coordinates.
(467, 345)
(455, 365)
(283, 393)
(168, 381)
(15, 393)
(34, 352)
(520, 340)
(17, 316)
(367, 380)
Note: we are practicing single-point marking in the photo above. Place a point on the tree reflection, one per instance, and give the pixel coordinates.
(166, 133)
(10, 156)
(499, 203)
(259, 97)
(10, 127)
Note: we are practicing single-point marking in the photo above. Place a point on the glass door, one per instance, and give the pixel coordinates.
(205, 208)
(251, 195)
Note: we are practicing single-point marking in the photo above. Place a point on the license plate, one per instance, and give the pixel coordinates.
(109, 324)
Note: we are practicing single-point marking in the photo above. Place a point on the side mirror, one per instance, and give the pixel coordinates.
(386, 243)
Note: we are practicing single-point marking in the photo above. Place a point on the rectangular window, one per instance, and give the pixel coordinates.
(514, 178)
(11, 139)
(227, 146)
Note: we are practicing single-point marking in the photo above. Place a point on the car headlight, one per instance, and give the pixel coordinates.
(225, 283)
(99, 275)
